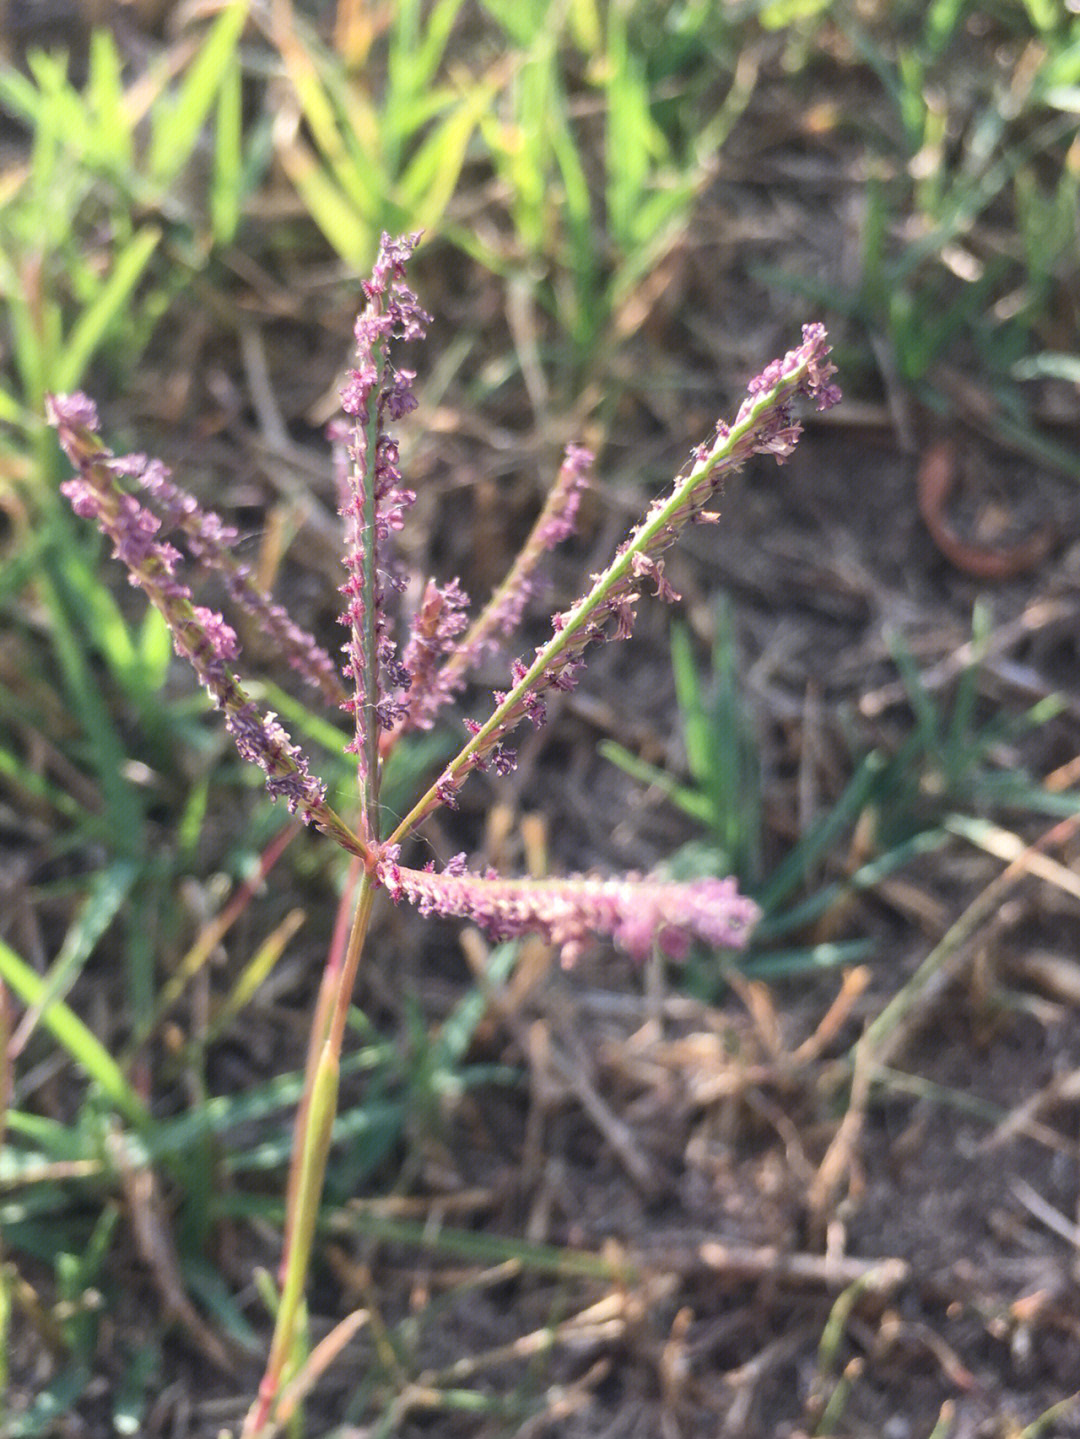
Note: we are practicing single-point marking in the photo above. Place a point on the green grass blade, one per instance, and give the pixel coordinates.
(11, 411)
(80, 1043)
(864, 878)
(351, 235)
(114, 141)
(176, 130)
(108, 890)
(699, 736)
(958, 744)
(783, 964)
(50, 1408)
(927, 715)
(417, 46)
(21, 96)
(790, 873)
(123, 803)
(633, 142)
(692, 802)
(227, 182)
(458, 1029)
(28, 328)
(432, 176)
(101, 317)
(153, 655)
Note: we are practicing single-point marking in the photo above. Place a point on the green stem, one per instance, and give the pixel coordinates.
(309, 1161)
(320, 1028)
(368, 686)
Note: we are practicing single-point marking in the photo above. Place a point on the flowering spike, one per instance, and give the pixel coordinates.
(199, 634)
(208, 542)
(636, 912)
(436, 626)
(373, 508)
(503, 611)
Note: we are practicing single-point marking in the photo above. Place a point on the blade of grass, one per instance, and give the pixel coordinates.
(788, 875)
(100, 317)
(691, 801)
(113, 134)
(122, 801)
(786, 963)
(84, 1047)
(108, 890)
(227, 183)
(175, 128)
(50, 1406)
(255, 972)
(864, 878)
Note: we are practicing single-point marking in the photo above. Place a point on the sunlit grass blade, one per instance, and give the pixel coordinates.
(255, 972)
(80, 1043)
(345, 227)
(176, 126)
(11, 411)
(58, 107)
(417, 46)
(227, 183)
(101, 316)
(114, 139)
(108, 890)
(432, 176)
(790, 873)
(36, 328)
(341, 145)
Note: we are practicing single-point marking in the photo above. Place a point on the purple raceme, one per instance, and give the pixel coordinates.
(208, 542)
(200, 635)
(440, 619)
(434, 687)
(376, 392)
(503, 613)
(636, 912)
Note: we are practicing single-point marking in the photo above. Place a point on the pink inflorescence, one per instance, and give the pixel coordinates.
(392, 693)
(209, 541)
(375, 392)
(433, 689)
(440, 619)
(636, 912)
(200, 635)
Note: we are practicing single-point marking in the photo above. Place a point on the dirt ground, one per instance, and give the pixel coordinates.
(799, 1236)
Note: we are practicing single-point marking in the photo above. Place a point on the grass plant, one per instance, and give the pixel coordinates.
(81, 223)
(583, 244)
(365, 159)
(388, 694)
